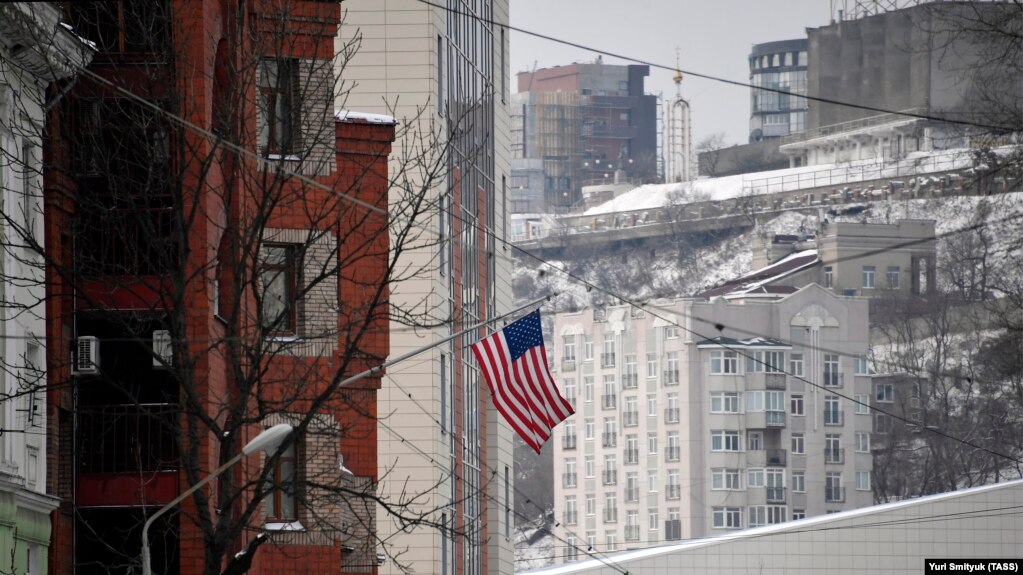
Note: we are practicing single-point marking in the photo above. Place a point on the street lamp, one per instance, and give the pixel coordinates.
(267, 441)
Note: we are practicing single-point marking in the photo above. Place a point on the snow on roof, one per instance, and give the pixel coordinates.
(798, 526)
(758, 279)
(748, 342)
(363, 117)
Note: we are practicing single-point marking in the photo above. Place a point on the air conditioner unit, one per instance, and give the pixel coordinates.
(85, 357)
(163, 352)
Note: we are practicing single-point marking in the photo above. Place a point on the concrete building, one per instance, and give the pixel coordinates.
(707, 416)
(35, 50)
(934, 59)
(587, 122)
(778, 65)
(853, 259)
(442, 73)
(894, 538)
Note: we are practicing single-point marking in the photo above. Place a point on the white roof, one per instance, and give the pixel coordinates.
(349, 115)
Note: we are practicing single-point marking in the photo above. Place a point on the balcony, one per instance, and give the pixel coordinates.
(776, 495)
(672, 491)
(630, 418)
(610, 477)
(774, 381)
(672, 453)
(836, 456)
(570, 517)
(766, 458)
(568, 364)
(568, 442)
(127, 438)
(774, 418)
(569, 479)
(607, 360)
(630, 381)
(671, 377)
(609, 401)
(834, 494)
(671, 415)
(610, 439)
(765, 419)
(632, 494)
(833, 418)
(631, 456)
(632, 532)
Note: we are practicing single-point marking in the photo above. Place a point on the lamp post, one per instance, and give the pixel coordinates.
(267, 442)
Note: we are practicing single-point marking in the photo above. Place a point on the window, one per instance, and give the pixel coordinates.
(868, 277)
(591, 505)
(570, 517)
(729, 479)
(765, 362)
(755, 440)
(651, 405)
(141, 28)
(607, 358)
(882, 423)
(862, 403)
(612, 540)
(590, 466)
(863, 481)
(651, 442)
(630, 373)
(651, 365)
(833, 487)
(796, 364)
(588, 388)
(610, 508)
(279, 277)
(798, 447)
(754, 478)
(588, 348)
(885, 392)
(278, 106)
(798, 514)
(671, 369)
(610, 470)
(610, 397)
(723, 402)
(860, 365)
(892, 275)
(862, 442)
(767, 515)
(671, 332)
(673, 489)
(441, 96)
(788, 58)
(632, 486)
(568, 352)
(651, 480)
(796, 403)
(799, 481)
(673, 450)
(829, 277)
(280, 503)
(725, 441)
(832, 410)
(571, 549)
(589, 428)
(727, 517)
(724, 361)
(832, 375)
(671, 413)
(673, 525)
(654, 519)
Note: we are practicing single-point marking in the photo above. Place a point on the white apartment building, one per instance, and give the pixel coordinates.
(704, 416)
(442, 74)
(34, 51)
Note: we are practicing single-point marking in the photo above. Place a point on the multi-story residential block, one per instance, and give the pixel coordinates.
(35, 51)
(442, 72)
(736, 413)
(217, 264)
(589, 123)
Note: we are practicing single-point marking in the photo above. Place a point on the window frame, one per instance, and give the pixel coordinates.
(286, 71)
(292, 271)
(274, 502)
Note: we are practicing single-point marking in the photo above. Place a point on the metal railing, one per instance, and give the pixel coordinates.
(568, 441)
(672, 453)
(673, 491)
(774, 457)
(610, 439)
(569, 479)
(836, 455)
(775, 494)
(631, 456)
(630, 380)
(630, 418)
(127, 438)
(833, 417)
(671, 414)
(671, 377)
(609, 401)
(834, 494)
(607, 360)
(774, 418)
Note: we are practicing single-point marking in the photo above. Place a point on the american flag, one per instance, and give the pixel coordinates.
(514, 363)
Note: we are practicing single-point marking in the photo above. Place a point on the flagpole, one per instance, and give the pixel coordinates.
(415, 352)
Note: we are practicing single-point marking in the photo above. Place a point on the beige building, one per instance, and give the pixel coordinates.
(705, 416)
(443, 76)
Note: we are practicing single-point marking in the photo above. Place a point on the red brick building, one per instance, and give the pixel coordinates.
(218, 263)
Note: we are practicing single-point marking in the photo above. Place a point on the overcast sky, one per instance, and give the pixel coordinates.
(714, 37)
